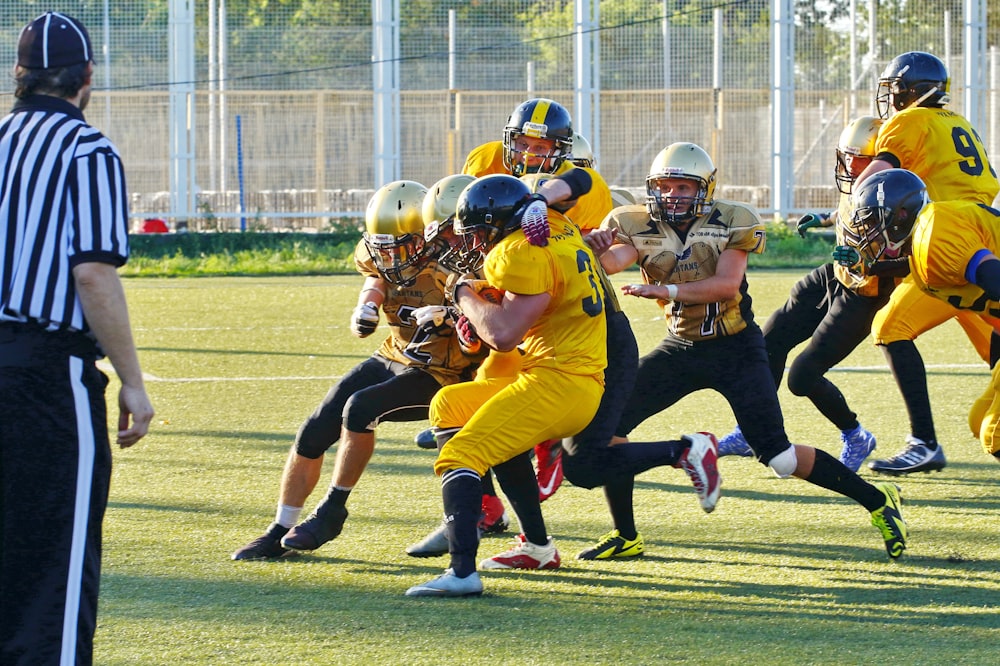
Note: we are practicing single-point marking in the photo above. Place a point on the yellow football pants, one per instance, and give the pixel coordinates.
(984, 417)
(502, 417)
(911, 312)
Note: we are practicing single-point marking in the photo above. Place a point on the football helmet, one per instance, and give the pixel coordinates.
(489, 209)
(855, 150)
(534, 119)
(394, 230)
(583, 153)
(886, 206)
(913, 78)
(680, 160)
(439, 207)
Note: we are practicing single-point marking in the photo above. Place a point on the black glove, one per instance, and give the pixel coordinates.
(364, 320)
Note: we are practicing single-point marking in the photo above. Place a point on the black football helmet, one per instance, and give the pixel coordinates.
(914, 78)
(489, 209)
(537, 118)
(886, 206)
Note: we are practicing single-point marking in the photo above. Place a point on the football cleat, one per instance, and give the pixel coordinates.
(700, 462)
(734, 444)
(432, 545)
(265, 547)
(614, 545)
(425, 439)
(494, 518)
(858, 445)
(549, 468)
(889, 520)
(524, 555)
(449, 585)
(324, 524)
(916, 457)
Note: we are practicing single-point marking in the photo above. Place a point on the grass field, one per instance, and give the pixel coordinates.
(781, 573)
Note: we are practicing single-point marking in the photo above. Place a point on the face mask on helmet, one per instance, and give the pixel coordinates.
(912, 79)
(855, 151)
(488, 210)
(886, 206)
(671, 201)
(583, 153)
(537, 138)
(394, 231)
(439, 207)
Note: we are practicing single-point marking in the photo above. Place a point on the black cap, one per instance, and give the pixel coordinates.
(54, 40)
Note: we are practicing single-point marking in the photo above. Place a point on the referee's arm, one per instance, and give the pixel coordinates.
(103, 300)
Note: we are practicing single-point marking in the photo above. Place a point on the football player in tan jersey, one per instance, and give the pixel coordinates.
(953, 248)
(692, 251)
(401, 276)
(945, 151)
(830, 307)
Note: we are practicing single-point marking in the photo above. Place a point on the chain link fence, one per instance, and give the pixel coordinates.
(298, 76)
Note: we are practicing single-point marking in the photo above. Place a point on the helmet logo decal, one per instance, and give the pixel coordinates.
(535, 130)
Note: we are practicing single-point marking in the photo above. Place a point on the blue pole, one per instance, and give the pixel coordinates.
(239, 171)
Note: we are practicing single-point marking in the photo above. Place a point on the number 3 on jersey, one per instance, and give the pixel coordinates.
(592, 305)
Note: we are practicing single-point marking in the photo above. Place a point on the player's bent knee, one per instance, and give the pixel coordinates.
(784, 463)
(358, 417)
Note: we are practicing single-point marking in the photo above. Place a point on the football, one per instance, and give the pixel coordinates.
(492, 294)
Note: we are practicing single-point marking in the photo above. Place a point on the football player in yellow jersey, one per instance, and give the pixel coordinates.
(395, 384)
(953, 248)
(552, 309)
(692, 250)
(945, 151)
(832, 309)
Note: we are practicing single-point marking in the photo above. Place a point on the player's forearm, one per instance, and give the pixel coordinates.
(104, 306)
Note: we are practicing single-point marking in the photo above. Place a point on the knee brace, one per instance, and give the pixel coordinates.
(784, 463)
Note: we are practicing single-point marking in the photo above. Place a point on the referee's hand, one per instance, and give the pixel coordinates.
(134, 405)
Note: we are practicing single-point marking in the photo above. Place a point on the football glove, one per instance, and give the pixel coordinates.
(364, 320)
(807, 222)
(845, 255)
(435, 319)
(468, 340)
(535, 221)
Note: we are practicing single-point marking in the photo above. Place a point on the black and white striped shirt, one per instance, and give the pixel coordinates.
(62, 202)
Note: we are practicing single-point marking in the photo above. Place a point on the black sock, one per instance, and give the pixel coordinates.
(337, 496)
(462, 494)
(634, 458)
(830, 473)
(618, 493)
(517, 478)
(907, 367)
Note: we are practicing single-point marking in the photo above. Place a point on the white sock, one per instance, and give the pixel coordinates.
(287, 516)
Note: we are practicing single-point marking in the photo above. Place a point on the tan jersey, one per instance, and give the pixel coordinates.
(441, 354)
(666, 258)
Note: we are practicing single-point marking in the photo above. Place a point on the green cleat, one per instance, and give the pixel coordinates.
(614, 545)
(889, 520)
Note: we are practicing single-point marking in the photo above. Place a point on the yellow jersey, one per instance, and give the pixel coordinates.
(570, 335)
(946, 238)
(589, 210)
(942, 148)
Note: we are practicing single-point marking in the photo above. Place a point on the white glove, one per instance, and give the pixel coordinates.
(435, 318)
(364, 320)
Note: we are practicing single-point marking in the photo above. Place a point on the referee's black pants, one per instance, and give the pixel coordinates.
(55, 466)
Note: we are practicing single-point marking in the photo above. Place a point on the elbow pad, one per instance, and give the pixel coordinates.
(579, 182)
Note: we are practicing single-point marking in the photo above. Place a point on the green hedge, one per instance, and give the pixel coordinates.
(265, 253)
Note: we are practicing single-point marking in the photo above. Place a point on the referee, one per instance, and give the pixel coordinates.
(63, 233)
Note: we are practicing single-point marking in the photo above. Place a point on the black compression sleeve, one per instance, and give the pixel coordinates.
(579, 182)
(988, 278)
